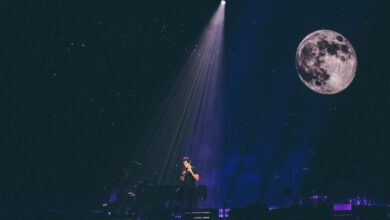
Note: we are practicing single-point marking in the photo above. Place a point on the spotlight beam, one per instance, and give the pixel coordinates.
(189, 122)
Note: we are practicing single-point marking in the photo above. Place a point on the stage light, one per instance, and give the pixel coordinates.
(223, 2)
(190, 119)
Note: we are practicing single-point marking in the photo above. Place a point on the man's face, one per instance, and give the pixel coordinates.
(186, 164)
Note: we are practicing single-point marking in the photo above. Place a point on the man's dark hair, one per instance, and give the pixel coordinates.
(187, 159)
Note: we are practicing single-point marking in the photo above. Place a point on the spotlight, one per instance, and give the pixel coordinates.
(223, 2)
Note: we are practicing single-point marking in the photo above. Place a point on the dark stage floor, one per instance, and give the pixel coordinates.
(250, 212)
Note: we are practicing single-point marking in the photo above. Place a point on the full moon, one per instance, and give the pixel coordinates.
(326, 62)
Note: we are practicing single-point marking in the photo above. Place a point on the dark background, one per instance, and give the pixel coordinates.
(81, 80)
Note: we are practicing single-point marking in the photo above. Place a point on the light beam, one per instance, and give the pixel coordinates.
(189, 122)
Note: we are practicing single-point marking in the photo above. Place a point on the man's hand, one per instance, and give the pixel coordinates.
(196, 176)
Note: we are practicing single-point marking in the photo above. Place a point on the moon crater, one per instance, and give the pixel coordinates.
(326, 62)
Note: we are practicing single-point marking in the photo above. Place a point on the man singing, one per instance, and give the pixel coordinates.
(188, 181)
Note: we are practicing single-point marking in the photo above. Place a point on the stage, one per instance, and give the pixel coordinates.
(250, 212)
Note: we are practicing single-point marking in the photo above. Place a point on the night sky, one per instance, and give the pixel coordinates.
(81, 83)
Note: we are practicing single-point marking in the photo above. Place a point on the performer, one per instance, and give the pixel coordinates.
(188, 181)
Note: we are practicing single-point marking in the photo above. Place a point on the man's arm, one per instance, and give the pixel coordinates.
(195, 175)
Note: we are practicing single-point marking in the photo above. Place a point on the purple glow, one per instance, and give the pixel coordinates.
(220, 213)
(342, 207)
(177, 216)
(113, 196)
(223, 213)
